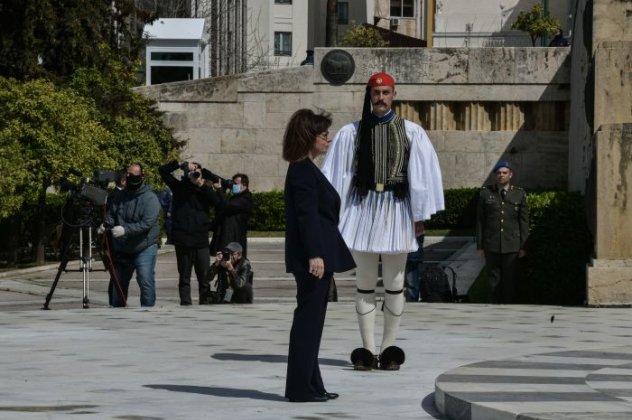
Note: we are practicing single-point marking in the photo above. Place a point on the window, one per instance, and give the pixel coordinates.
(165, 74)
(172, 56)
(403, 8)
(283, 43)
(282, 1)
(343, 13)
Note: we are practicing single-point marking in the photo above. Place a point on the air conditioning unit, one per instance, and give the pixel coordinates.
(394, 22)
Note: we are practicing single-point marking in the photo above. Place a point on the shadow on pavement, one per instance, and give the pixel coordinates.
(272, 358)
(428, 405)
(219, 392)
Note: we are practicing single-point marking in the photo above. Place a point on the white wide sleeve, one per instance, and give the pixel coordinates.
(424, 175)
(337, 166)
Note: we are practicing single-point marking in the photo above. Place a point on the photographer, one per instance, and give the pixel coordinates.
(193, 197)
(234, 275)
(231, 223)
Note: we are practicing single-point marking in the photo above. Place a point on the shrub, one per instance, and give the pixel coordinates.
(269, 214)
(559, 247)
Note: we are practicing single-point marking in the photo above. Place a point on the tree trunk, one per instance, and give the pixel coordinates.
(331, 29)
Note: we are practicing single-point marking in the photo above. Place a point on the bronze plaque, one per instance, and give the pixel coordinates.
(337, 66)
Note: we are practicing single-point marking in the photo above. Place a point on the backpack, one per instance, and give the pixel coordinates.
(435, 285)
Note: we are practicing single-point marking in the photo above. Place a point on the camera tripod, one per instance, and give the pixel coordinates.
(85, 260)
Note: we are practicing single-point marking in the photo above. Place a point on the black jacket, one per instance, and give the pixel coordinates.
(231, 223)
(312, 208)
(191, 205)
(239, 280)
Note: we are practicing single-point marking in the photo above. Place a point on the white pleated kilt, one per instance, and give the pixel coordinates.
(378, 223)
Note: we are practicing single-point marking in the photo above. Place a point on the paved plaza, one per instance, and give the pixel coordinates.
(228, 361)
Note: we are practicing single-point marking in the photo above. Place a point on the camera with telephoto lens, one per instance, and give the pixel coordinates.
(226, 254)
(86, 197)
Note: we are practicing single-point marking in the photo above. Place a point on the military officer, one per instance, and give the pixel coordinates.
(502, 227)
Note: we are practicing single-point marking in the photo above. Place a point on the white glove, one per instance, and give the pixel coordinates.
(100, 229)
(118, 231)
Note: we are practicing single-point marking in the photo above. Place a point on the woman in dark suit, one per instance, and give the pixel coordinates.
(314, 250)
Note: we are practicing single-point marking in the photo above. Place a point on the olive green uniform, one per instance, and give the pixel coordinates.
(502, 227)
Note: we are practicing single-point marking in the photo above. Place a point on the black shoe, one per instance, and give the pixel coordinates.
(363, 359)
(391, 358)
(331, 395)
(315, 398)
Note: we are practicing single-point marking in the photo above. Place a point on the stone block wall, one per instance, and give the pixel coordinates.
(477, 105)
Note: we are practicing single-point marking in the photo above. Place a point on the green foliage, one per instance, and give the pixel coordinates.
(359, 36)
(536, 23)
(73, 105)
(559, 247)
(52, 39)
(44, 131)
(136, 126)
(269, 212)
(460, 212)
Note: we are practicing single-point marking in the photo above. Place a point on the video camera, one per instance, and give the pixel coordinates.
(92, 189)
(85, 196)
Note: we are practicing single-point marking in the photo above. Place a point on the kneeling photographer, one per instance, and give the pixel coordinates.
(234, 276)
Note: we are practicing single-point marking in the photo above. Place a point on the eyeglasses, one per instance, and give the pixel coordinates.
(325, 136)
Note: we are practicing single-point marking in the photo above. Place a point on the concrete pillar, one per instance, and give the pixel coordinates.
(610, 273)
(609, 276)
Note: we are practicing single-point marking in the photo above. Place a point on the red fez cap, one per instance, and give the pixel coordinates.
(381, 79)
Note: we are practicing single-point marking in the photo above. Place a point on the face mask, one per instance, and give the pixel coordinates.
(134, 182)
(236, 188)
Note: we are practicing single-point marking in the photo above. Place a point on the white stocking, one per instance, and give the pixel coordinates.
(366, 280)
(393, 267)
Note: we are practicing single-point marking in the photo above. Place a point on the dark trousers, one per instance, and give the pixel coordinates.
(303, 374)
(188, 259)
(502, 275)
(412, 279)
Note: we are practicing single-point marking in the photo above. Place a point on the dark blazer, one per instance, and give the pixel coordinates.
(502, 226)
(190, 205)
(312, 208)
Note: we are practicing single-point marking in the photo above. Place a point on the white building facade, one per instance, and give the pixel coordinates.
(176, 50)
(466, 23)
(258, 35)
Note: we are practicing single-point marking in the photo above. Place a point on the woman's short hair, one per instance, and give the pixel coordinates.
(301, 132)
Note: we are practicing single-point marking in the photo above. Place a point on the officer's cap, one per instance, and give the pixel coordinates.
(503, 164)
